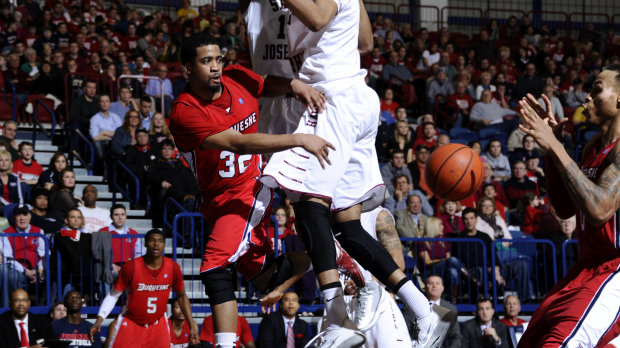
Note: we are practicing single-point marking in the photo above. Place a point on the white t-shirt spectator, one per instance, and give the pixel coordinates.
(95, 218)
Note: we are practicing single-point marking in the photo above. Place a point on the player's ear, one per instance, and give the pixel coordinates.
(188, 68)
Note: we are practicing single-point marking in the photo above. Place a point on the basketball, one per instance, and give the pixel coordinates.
(454, 172)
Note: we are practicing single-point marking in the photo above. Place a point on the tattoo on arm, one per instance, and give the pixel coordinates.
(386, 233)
(599, 201)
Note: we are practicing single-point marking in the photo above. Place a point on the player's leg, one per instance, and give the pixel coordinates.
(390, 330)
(128, 334)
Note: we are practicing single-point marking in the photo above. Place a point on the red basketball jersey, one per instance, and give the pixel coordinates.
(181, 341)
(193, 119)
(596, 242)
(148, 290)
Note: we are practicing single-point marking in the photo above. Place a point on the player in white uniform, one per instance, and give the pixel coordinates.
(323, 49)
(267, 21)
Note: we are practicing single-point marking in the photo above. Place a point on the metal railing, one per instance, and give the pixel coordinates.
(35, 119)
(74, 141)
(117, 187)
(13, 103)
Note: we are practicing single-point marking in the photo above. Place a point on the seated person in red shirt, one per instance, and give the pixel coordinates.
(123, 249)
(26, 168)
(512, 307)
(244, 334)
(463, 102)
(179, 327)
(429, 136)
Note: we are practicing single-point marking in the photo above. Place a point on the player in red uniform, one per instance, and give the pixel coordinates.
(583, 309)
(214, 123)
(179, 327)
(148, 281)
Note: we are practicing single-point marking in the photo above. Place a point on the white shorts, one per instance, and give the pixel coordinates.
(276, 115)
(349, 122)
(390, 330)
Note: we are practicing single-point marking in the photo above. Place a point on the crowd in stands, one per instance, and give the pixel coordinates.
(435, 88)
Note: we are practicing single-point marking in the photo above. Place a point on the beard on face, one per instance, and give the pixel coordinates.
(215, 88)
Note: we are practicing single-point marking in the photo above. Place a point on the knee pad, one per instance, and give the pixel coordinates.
(314, 228)
(218, 285)
(365, 249)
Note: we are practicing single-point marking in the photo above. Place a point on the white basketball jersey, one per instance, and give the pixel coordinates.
(331, 53)
(267, 21)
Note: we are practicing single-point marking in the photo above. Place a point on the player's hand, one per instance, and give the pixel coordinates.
(268, 302)
(194, 332)
(314, 99)
(318, 147)
(94, 330)
(116, 268)
(165, 184)
(539, 123)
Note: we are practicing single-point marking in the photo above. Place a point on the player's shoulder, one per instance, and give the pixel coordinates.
(243, 77)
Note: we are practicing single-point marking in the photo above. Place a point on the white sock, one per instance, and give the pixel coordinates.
(414, 300)
(334, 306)
(225, 339)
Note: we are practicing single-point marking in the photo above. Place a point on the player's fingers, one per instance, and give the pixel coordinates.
(331, 146)
(548, 106)
(535, 105)
(529, 114)
(525, 129)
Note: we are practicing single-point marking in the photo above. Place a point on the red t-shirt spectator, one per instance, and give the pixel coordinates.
(464, 102)
(25, 171)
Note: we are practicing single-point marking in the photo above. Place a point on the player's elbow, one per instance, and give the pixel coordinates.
(316, 25)
(365, 47)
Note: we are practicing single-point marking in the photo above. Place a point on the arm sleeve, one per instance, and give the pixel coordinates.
(93, 128)
(107, 305)
(167, 88)
(251, 81)
(116, 145)
(476, 113)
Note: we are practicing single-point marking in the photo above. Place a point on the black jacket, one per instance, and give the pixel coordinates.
(179, 176)
(271, 332)
(472, 335)
(38, 328)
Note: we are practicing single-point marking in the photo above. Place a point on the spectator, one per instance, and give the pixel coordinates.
(490, 222)
(434, 291)
(169, 178)
(138, 159)
(179, 83)
(484, 331)
(74, 247)
(73, 328)
(214, 33)
(9, 131)
(484, 47)
(410, 222)
(278, 328)
(50, 176)
(556, 106)
(398, 201)
(186, 11)
(84, 107)
(428, 136)
(125, 248)
(559, 236)
(402, 140)
(575, 96)
(452, 223)
(13, 75)
(62, 198)
(58, 311)
(125, 135)
(154, 89)
(536, 173)
(244, 334)
(374, 63)
(179, 327)
(158, 131)
(444, 62)
(519, 184)
(387, 103)
(10, 185)
(395, 167)
(512, 307)
(497, 160)
(40, 217)
(24, 256)
(485, 85)
(21, 328)
(463, 102)
(416, 168)
(485, 113)
(102, 127)
(31, 66)
(145, 111)
(440, 85)
(530, 211)
(146, 49)
(26, 168)
(528, 149)
(490, 190)
(95, 218)
(435, 258)
(124, 102)
(395, 73)
(529, 83)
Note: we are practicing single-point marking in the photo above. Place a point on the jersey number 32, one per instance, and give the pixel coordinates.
(233, 164)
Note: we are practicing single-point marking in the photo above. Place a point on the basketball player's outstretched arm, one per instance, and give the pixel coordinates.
(598, 202)
(257, 143)
(365, 41)
(313, 14)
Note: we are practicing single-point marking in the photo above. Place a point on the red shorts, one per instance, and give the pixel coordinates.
(130, 334)
(582, 310)
(239, 219)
